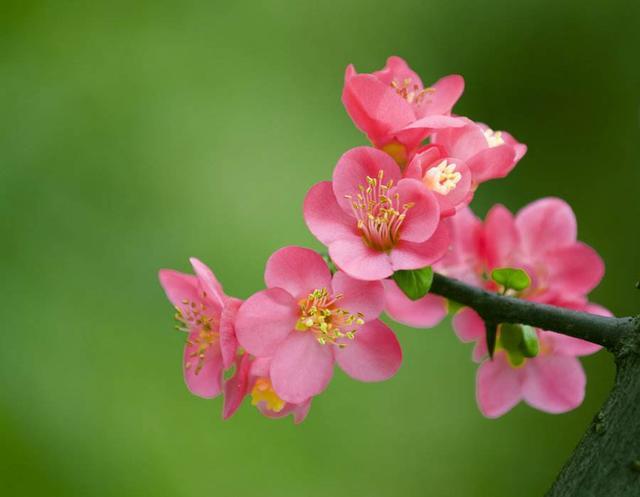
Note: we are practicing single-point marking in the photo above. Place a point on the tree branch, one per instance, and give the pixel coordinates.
(495, 308)
(607, 459)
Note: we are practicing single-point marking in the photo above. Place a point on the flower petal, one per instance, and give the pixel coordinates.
(408, 255)
(324, 217)
(228, 340)
(209, 283)
(207, 381)
(500, 237)
(265, 319)
(180, 287)
(574, 270)
(235, 388)
(492, 163)
(373, 355)
(301, 367)
(422, 313)
(447, 92)
(353, 169)
(498, 386)
(554, 384)
(364, 297)
(359, 261)
(546, 224)
(469, 327)
(423, 217)
(298, 270)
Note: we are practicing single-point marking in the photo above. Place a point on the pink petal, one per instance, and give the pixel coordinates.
(435, 122)
(469, 327)
(301, 411)
(265, 319)
(546, 224)
(498, 386)
(460, 193)
(353, 169)
(298, 270)
(569, 346)
(207, 382)
(423, 313)
(462, 142)
(228, 340)
(208, 281)
(500, 237)
(467, 247)
(235, 389)
(447, 92)
(301, 368)
(490, 163)
(397, 69)
(373, 355)
(554, 384)
(430, 156)
(324, 217)
(407, 255)
(375, 108)
(422, 219)
(180, 287)
(360, 261)
(365, 297)
(574, 270)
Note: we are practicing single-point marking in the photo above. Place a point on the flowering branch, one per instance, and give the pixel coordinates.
(495, 308)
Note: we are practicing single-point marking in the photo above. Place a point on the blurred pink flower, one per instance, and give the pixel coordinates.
(395, 110)
(207, 315)
(542, 240)
(373, 220)
(306, 320)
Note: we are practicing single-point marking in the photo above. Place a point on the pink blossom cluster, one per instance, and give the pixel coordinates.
(398, 205)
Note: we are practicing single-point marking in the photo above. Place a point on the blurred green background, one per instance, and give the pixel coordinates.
(136, 134)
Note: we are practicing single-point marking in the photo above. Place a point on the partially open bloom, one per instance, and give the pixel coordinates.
(394, 109)
(374, 221)
(207, 315)
(252, 379)
(306, 320)
(488, 154)
(542, 240)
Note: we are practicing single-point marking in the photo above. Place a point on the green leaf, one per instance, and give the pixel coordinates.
(509, 277)
(415, 283)
(530, 345)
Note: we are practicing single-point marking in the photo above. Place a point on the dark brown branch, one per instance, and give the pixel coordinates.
(496, 308)
(607, 460)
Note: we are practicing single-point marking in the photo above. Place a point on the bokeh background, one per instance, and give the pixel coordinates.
(136, 134)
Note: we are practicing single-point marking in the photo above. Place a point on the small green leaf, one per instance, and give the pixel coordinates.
(510, 336)
(415, 283)
(509, 277)
(530, 345)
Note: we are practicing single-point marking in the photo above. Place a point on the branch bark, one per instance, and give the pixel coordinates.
(607, 459)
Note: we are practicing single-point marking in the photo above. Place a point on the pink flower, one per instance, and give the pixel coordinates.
(488, 154)
(542, 240)
(306, 320)
(252, 379)
(373, 221)
(395, 110)
(207, 315)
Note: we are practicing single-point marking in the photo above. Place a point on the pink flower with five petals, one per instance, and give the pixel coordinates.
(542, 240)
(373, 220)
(207, 315)
(306, 320)
(394, 109)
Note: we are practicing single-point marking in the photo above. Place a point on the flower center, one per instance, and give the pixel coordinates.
(442, 178)
(320, 315)
(494, 138)
(379, 215)
(194, 318)
(410, 91)
(263, 392)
